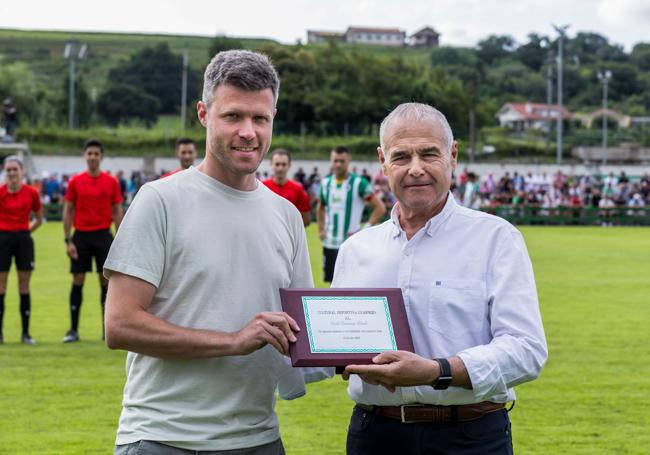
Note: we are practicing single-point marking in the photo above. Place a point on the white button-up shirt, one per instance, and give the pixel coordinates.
(469, 290)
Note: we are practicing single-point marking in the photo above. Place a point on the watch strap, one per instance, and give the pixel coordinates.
(444, 379)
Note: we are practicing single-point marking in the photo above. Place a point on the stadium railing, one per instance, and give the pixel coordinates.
(584, 216)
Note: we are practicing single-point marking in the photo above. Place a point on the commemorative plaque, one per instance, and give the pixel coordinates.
(346, 326)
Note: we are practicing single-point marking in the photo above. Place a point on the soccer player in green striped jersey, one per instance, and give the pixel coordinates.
(343, 196)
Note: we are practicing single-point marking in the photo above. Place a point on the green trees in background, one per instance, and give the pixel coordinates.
(122, 103)
(152, 74)
(33, 101)
(338, 89)
(223, 43)
(331, 90)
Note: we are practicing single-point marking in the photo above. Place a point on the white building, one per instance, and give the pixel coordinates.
(380, 36)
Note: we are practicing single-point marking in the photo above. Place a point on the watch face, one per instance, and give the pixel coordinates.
(442, 383)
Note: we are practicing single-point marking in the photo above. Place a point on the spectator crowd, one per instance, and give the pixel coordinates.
(551, 191)
(541, 190)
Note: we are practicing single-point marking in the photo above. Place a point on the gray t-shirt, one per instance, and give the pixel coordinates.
(217, 257)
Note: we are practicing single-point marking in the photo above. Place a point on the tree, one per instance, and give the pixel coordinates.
(223, 43)
(17, 82)
(123, 102)
(157, 72)
(461, 63)
(624, 82)
(299, 74)
(495, 48)
(534, 53)
(513, 78)
(454, 56)
(592, 47)
(640, 56)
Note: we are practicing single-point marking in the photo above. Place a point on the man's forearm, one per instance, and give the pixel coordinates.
(147, 334)
(68, 212)
(130, 326)
(459, 374)
(118, 214)
(320, 217)
(306, 218)
(38, 220)
(378, 211)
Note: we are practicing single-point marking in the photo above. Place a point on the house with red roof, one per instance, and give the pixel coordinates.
(524, 116)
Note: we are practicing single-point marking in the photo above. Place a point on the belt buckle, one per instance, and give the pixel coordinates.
(402, 407)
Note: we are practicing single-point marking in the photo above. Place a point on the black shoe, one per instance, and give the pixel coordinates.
(71, 336)
(26, 339)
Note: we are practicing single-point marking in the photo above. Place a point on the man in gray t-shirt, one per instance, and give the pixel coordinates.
(195, 271)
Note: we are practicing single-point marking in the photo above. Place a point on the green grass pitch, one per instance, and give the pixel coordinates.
(593, 396)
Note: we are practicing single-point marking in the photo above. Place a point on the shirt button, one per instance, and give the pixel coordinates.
(407, 252)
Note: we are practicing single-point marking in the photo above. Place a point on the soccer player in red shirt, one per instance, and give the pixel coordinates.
(93, 201)
(186, 154)
(17, 202)
(288, 189)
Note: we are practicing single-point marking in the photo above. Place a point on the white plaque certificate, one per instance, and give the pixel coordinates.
(348, 324)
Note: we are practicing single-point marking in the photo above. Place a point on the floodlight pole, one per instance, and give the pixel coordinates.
(549, 101)
(72, 56)
(562, 32)
(184, 92)
(69, 51)
(604, 77)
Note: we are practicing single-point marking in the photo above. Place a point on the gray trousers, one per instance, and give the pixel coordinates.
(156, 448)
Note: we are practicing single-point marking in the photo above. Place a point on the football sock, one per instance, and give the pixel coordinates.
(25, 309)
(103, 302)
(2, 310)
(75, 306)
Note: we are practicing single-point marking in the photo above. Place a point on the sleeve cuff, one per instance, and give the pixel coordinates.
(484, 373)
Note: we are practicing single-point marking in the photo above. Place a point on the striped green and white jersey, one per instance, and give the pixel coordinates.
(344, 203)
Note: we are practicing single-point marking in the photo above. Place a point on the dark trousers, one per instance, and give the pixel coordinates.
(377, 435)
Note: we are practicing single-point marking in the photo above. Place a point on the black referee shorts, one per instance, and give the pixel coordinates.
(18, 245)
(329, 260)
(92, 244)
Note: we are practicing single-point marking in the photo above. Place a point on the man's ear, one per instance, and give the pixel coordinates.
(382, 159)
(202, 112)
(454, 155)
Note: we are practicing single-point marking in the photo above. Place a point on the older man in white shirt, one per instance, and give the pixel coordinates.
(471, 302)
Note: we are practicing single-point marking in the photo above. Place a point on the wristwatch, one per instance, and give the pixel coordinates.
(67, 240)
(444, 379)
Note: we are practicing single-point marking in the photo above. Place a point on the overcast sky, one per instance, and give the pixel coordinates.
(460, 22)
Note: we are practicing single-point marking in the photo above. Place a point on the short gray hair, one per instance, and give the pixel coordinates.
(244, 69)
(415, 112)
(16, 159)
